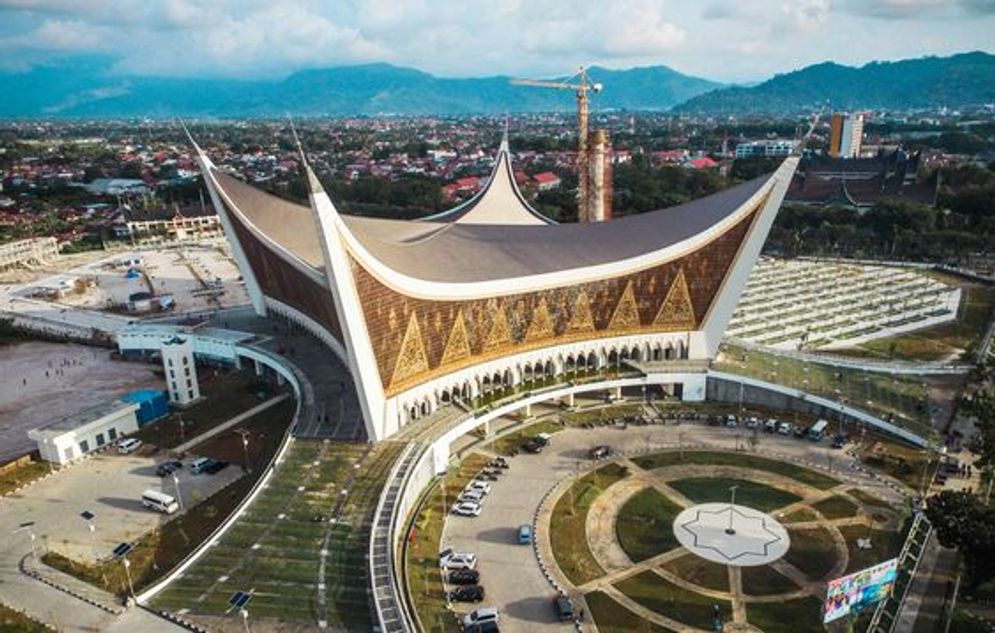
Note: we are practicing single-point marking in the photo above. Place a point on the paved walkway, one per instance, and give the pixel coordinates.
(224, 426)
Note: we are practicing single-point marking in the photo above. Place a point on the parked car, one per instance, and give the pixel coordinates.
(198, 465)
(544, 439)
(215, 466)
(564, 608)
(478, 617)
(448, 559)
(731, 420)
(466, 509)
(168, 468)
(464, 577)
(472, 494)
(483, 627)
(600, 452)
(128, 445)
(839, 441)
(467, 593)
(771, 425)
(525, 534)
(752, 422)
(785, 428)
(482, 486)
(532, 446)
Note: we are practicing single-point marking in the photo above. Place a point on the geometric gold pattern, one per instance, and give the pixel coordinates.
(411, 360)
(581, 319)
(500, 333)
(626, 315)
(458, 343)
(676, 311)
(541, 325)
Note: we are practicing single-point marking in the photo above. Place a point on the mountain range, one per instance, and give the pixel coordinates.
(89, 87)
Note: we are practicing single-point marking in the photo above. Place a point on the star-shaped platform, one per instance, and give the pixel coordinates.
(731, 534)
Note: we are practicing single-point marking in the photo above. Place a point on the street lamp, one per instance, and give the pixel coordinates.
(245, 448)
(176, 485)
(29, 528)
(121, 553)
(89, 517)
(732, 503)
(239, 600)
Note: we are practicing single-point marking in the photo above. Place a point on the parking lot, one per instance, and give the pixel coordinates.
(110, 486)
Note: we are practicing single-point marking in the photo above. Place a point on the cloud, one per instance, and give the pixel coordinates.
(806, 14)
(910, 9)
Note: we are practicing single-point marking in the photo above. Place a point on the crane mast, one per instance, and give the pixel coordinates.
(581, 88)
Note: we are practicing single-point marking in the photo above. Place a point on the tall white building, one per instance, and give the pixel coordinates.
(846, 135)
(181, 373)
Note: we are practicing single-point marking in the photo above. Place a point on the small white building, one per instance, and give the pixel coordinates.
(73, 437)
(181, 373)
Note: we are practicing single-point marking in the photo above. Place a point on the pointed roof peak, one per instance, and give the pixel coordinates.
(504, 137)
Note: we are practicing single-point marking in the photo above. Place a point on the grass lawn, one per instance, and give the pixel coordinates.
(653, 592)
(568, 529)
(25, 474)
(226, 394)
(716, 458)
(15, 622)
(611, 617)
(812, 551)
(701, 572)
(422, 554)
(749, 493)
(885, 544)
(905, 463)
(800, 515)
(868, 499)
(802, 615)
(508, 444)
(645, 525)
(157, 552)
(764, 580)
(836, 507)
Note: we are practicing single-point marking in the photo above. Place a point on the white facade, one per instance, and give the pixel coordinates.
(852, 136)
(775, 147)
(71, 438)
(181, 372)
(27, 253)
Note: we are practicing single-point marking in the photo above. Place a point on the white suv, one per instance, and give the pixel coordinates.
(128, 445)
(480, 616)
(457, 560)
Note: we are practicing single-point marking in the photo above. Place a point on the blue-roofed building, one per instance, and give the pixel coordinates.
(152, 404)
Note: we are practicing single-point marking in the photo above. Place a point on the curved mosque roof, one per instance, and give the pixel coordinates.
(494, 236)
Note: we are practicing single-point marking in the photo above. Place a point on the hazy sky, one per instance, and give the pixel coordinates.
(742, 40)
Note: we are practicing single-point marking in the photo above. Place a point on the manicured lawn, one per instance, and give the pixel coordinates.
(508, 444)
(653, 592)
(422, 555)
(885, 544)
(645, 525)
(764, 580)
(568, 531)
(802, 615)
(14, 622)
(611, 617)
(836, 507)
(867, 498)
(800, 515)
(715, 458)
(701, 572)
(749, 493)
(811, 551)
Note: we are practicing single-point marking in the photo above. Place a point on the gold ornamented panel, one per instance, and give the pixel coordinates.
(415, 340)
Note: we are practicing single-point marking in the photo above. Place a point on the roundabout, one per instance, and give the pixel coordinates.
(639, 541)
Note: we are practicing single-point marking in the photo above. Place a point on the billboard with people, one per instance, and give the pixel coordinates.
(856, 591)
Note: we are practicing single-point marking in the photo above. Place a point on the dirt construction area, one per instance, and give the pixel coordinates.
(38, 376)
(110, 486)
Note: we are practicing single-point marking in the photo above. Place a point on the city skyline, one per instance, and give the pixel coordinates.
(718, 40)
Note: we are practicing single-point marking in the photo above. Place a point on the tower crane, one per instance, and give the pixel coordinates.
(582, 86)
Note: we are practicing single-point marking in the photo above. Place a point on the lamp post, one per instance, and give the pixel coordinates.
(176, 485)
(89, 517)
(245, 447)
(121, 553)
(732, 503)
(29, 528)
(239, 600)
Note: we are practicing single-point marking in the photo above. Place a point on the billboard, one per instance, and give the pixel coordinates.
(850, 594)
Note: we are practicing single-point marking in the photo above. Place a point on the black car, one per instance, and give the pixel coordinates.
(168, 468)
(483, 627)
(467, 593)
(532, 446)
(564, 608)
(464, 576)
(216, 466)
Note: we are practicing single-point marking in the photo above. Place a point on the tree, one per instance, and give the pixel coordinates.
(961, 521)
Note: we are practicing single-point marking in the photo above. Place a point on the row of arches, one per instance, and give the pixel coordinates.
(467, 386)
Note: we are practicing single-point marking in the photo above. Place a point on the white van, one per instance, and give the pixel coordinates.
(128, 445)
(159, 501)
